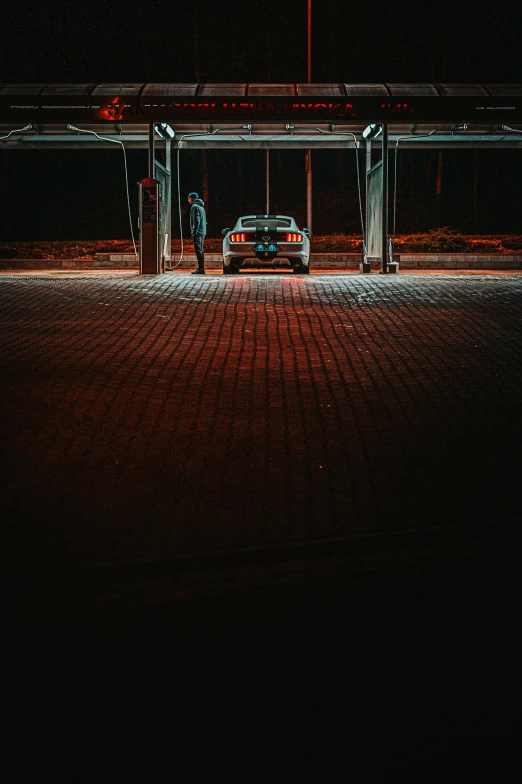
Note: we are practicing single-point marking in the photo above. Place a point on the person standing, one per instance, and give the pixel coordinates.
(198, 229)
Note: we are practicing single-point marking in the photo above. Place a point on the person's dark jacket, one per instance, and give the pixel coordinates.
(198, 218)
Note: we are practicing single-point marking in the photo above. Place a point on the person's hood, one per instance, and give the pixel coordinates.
(199, 201)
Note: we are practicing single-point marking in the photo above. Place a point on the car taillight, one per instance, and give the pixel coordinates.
(238, 238)
(294, 237)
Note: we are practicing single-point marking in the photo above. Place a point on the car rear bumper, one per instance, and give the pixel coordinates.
(247, 252)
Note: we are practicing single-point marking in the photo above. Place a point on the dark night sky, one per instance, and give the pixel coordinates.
(253, 41)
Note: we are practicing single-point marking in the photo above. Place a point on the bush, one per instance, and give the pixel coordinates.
(442, 240)
(512, 243)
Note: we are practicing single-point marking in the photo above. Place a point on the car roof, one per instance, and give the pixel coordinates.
(269, 217)
(260, 218)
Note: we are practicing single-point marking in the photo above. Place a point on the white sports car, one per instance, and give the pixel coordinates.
(264, 241)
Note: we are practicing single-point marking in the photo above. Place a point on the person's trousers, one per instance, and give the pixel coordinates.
(199, 239)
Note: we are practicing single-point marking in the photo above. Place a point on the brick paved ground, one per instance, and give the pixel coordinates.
(149, 417)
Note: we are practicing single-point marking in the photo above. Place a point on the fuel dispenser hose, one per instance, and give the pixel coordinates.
(114, 141)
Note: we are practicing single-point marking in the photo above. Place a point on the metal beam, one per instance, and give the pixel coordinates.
(168, 200)
(368, 162)
(384, 237)
(506, 141)
(151, 152)
(309, 211)
(448, 141)
(267, 176)
(54, 141)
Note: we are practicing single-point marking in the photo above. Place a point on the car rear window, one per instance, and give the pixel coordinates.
(270, 222)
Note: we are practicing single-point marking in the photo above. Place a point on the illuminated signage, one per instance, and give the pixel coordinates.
(172, 109)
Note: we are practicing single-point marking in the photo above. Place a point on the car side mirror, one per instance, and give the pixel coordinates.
(307, 232)
(225, 231)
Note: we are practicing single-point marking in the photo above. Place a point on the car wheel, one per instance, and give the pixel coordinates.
(302, 269)
(228, 269)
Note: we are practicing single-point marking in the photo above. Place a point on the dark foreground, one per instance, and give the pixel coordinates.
(264, 448)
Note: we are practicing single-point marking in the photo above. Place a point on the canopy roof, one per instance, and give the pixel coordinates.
(295, 103)
(260, 115)
(270, 90)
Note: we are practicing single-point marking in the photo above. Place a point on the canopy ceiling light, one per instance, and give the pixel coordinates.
(372, 131)
(168, 129)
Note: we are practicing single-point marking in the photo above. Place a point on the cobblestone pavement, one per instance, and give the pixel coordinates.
(149, 417)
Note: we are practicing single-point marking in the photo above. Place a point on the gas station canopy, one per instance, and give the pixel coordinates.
(245, 116)
(260, 116)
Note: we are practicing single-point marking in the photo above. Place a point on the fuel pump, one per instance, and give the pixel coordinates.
(150, 223)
